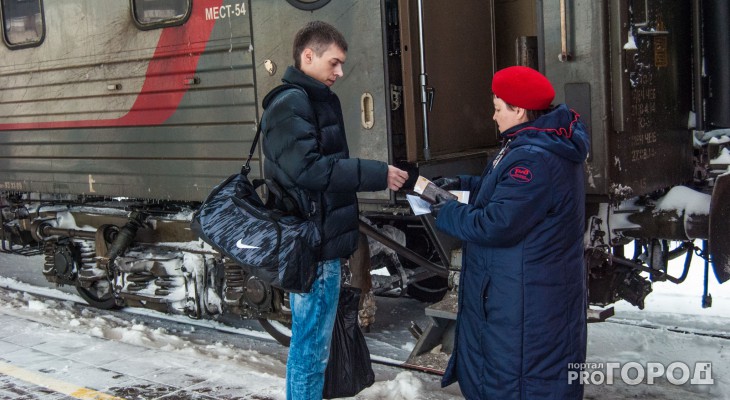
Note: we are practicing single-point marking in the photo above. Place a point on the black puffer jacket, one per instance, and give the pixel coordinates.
(314, 165)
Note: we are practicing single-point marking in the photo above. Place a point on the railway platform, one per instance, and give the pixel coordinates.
(39, 361)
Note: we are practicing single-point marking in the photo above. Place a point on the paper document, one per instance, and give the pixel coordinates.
(421, 206)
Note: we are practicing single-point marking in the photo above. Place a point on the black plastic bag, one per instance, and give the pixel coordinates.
(348, 370)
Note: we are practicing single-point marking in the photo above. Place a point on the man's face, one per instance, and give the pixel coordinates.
(507, 117)
(325, 68)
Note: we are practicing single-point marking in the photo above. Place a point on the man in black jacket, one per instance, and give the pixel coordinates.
(306, 153)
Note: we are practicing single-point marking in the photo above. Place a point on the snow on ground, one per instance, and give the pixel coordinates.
(254, 370)
(612, 343)
(262, 372)
(259, 372)
(667, 307)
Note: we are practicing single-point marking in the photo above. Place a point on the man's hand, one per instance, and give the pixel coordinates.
(448, 183)
(396, 178)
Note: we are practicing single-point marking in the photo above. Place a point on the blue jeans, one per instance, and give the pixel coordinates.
(313, 317)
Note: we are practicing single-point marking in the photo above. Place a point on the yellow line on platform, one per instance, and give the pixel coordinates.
(54, 384)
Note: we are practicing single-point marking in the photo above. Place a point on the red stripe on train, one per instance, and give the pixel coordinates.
(161, 94)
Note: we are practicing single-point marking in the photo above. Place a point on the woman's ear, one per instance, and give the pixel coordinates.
(521, 114)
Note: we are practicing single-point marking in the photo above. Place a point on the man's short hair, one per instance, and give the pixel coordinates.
(318, 36)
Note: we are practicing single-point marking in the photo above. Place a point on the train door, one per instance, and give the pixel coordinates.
(447, 65)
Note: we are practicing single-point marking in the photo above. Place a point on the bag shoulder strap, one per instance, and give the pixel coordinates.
(245, 169)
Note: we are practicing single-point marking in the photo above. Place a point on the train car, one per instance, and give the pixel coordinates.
(117, 118)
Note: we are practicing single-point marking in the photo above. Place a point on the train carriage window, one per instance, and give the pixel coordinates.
(152, 14)
(308, 5)
(23, 23)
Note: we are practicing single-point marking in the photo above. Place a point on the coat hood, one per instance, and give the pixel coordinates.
(560, 131)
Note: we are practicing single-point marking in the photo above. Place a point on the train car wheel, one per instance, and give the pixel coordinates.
(97, 297)
(279, 331)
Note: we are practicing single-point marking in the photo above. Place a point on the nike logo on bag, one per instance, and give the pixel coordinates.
(240, 245)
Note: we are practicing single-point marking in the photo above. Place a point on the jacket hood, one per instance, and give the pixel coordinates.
(560, 131)
(316, 90)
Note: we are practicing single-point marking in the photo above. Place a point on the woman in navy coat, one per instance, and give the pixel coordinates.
(521, 323)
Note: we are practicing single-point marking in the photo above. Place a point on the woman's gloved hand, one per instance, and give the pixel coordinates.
(448, 183)
(440, 202)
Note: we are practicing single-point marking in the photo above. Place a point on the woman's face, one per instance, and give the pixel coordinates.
(506, 116)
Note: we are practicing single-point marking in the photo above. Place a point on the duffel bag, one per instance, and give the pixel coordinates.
(281, 249)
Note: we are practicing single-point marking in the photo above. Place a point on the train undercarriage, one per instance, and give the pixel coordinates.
(121, 254)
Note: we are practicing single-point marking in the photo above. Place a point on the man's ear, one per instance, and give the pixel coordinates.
(307, 56)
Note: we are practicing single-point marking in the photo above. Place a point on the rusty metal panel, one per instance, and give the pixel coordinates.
(654, 151)
(639, 98)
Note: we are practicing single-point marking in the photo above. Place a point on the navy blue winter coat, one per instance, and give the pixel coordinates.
(522, 291)
(306, 152)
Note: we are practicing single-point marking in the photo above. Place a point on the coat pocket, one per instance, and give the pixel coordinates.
(484, 295)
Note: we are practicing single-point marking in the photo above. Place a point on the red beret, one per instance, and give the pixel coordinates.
(523, 87)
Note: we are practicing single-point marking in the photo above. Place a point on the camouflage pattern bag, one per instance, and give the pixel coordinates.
(280, 249)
